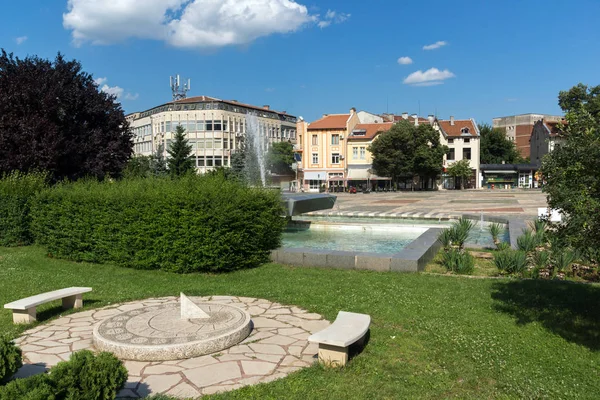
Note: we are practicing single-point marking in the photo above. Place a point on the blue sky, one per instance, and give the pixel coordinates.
(492, 58)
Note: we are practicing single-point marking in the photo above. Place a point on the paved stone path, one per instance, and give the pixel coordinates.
(276, 347)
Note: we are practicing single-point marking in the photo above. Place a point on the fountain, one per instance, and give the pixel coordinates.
(173, 331)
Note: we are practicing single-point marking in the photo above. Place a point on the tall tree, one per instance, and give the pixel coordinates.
(461, 170)
(180, 161)
(54, 118)
(280, 158)
(496, 148)
(158, 165)
(408, 151)
(570, 171)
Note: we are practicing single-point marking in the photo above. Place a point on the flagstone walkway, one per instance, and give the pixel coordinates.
(276, 347)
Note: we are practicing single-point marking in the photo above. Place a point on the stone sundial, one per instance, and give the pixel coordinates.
(172, 331)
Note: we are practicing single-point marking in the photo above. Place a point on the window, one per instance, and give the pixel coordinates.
(225, 143)
(313, 184)
(209, 143)
(200, 161)
(218, 144)
(315, 158)
(315, 140)
(355, 153)
(200, 144)
(225, 125)
(450, 141)
(335, 139)
(216, 125)
(191, 126)
(209, 125)
(168, 126)
(162, 126)
(467, 140)
(363, 153)
(450, 155)
(218, 162)
(209, 161)
(200, 125)
(335, 158)
(467, 154)
(464, 130)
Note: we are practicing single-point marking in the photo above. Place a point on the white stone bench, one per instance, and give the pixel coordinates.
(348, 328)
(24, 310)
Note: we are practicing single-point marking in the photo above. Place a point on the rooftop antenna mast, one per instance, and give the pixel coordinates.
(179, 91)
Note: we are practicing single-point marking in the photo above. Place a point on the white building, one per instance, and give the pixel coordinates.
(214, 128)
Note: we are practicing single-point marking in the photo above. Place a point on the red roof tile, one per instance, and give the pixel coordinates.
(554, 127)
(333, 121)
(371, 130)
(459, 125)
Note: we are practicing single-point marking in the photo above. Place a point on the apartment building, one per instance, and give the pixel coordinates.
(324, 152)
(463, 140)
(336, 156)
(544, 139)
(518, 128)
(215, 128)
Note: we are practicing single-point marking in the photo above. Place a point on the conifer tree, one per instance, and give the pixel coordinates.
(180, 162)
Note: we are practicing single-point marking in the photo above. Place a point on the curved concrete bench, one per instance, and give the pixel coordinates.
(24, 310)
(348, 328)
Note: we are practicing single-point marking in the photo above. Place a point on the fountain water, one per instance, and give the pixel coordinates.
(256, 150)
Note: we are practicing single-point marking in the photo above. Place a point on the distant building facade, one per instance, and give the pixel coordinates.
(518, 128)
(463, 140)
(215, 128)
(544, 139)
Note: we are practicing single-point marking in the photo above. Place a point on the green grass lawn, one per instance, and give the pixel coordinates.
(432, 337)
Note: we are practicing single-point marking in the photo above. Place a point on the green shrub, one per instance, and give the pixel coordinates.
(460, 232)
(37, 387)
(563, 259)
(196, 223)
(10, 360)
(458, 261)
(540, 259)
(527, 242)
(88, 376)
(16, 193)
(511, 261)
(495, 230)
(503, 246)
(445, 238)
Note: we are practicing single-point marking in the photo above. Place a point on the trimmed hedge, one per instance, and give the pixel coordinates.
(16, 192)
(10, 360)
(84, 377)
(196, 223)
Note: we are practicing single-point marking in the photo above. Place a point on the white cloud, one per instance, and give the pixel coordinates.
(323, 24)
(130, 96)
(405, 61)
(436, 45)
(432, 76)
(188, 23)
(21, 39)
(116, 91)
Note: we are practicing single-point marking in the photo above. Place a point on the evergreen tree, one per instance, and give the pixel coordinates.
(158, 165)
(180, 162)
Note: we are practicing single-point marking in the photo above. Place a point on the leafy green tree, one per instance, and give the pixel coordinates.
(138, 167)
(570, 171)
(408, 151)
(280, 158)
(461, 170)
(180, 162)
(158, 165)
(495, 147)
(53, 118)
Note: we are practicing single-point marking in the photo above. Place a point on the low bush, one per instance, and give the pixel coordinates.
(16, 192)
(84, 377)
(528, 241)
(495, 230)
(10, 360)
(192, 224)
(458, 261)
(89, 376)
(511, 261)
(37, 387)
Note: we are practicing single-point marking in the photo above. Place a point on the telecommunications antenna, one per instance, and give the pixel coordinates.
(179, 91)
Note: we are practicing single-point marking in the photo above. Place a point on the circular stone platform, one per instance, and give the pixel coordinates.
(158, 333)
(276, 347)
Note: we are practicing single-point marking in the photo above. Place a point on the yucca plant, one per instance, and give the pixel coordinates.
(540, 259)
(445, 238)
(511, 261)
(563, 260)
(458, 261)
(527, 242)
(495, 230)
(460, 232)
(503, 246)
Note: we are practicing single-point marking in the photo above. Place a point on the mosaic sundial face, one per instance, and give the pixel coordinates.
(159, 332)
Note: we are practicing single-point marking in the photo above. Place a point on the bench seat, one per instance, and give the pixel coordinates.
(347, 329)
(24, 310)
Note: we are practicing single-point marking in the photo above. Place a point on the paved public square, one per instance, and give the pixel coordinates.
(439, 204)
